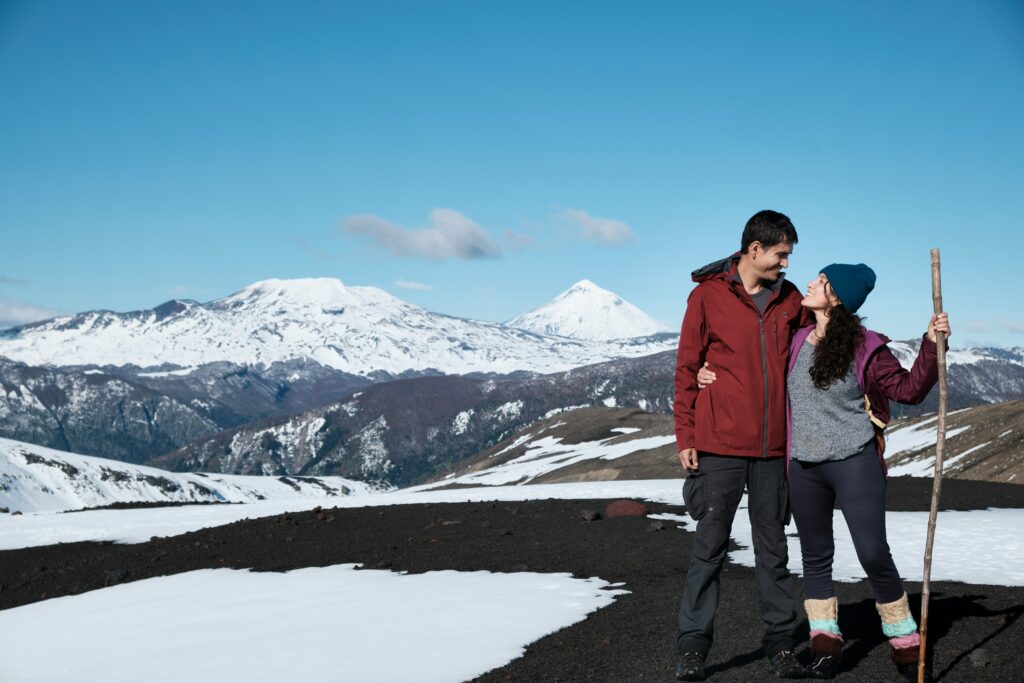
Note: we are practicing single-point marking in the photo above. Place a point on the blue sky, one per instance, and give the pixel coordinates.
(499, 152)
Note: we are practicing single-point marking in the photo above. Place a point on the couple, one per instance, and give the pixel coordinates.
(786, 396)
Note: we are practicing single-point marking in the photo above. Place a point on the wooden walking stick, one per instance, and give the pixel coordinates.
(940, 444)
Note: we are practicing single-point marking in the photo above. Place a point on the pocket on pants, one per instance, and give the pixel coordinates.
(695, 495)
(770, 500)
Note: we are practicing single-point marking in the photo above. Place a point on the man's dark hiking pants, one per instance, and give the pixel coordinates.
(712, 495)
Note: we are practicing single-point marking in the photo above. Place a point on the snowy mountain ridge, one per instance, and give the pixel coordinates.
(586, 311)
(37, 479)
(357, 330)
(906, 352)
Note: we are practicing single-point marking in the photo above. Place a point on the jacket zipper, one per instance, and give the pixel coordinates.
(764, 368)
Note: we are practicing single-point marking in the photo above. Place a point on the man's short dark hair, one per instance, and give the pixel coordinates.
(769, 228)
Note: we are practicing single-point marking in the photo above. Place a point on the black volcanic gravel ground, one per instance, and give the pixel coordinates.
(975, 633)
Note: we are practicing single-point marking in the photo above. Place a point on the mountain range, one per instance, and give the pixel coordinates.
(403, 432)
(406, 431)
(269, 380)
(362, 331)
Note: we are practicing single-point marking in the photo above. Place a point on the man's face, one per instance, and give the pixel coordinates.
(770, 262)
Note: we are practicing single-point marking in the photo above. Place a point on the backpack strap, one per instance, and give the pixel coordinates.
(879, 427)
(872, 342)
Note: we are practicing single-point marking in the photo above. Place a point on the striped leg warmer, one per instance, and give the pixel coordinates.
(899, 627)
(825, 636)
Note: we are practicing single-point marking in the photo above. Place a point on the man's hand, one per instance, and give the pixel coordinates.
(688, 457)
(705, 376)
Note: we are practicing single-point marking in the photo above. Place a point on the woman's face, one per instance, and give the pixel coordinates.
(819, 296)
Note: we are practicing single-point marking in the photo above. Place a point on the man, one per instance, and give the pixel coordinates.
(732, 435)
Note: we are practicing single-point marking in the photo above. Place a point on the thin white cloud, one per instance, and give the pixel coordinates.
(409, 284)
(988, 326)
(13, 313)
(601, 230)
(449, 235)
(517, 240)
(1014, 326)
(8, 280)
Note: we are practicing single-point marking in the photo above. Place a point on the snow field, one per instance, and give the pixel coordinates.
(313, 624)
(976, 546)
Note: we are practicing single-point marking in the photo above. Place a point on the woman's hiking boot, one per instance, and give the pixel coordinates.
(909, 671)
(826, 640)
(899, 627)
(823, 667)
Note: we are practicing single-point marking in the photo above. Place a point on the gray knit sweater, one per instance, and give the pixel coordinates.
(828, 424)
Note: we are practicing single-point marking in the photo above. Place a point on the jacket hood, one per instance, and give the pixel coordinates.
(718, 268)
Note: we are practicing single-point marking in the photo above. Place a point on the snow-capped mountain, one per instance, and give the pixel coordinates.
(35, 479)
(357, 330)
(586, 311)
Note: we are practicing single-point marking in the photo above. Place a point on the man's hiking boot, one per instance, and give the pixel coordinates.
(823, 666)
(691, 667)
(785, 665)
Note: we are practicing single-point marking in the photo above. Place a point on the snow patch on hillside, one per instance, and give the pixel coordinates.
(565, 409)
(38, 479)
(372, 450)
(914, 438)
(510, 410)
(460, 423)
(547, 454)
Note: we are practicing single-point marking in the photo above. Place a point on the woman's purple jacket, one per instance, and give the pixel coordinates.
(880, 376)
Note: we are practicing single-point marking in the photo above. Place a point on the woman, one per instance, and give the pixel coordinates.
(841, 378)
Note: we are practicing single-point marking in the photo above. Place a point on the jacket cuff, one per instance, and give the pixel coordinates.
(684, 442)
(932, 346)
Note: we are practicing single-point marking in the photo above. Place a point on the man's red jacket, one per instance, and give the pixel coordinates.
(744, 411)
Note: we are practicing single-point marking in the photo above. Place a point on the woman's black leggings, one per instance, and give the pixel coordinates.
(858, 484)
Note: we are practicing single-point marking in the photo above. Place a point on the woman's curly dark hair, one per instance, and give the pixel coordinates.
(834, 353)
